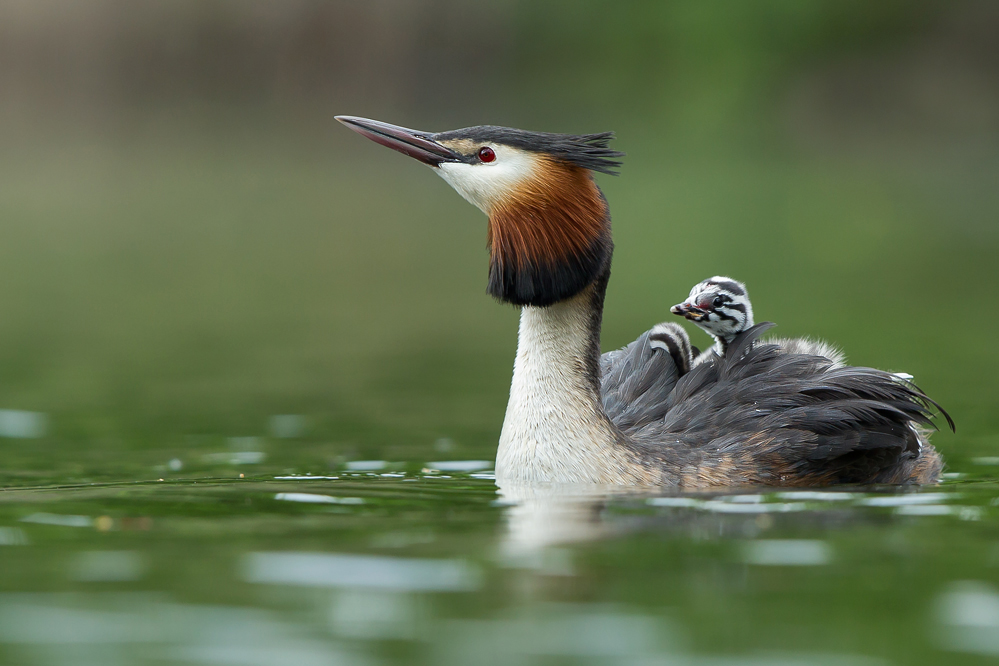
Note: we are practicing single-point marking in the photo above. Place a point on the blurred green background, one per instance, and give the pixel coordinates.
(190, 245)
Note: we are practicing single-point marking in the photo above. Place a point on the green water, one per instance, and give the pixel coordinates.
(424, 567)
(186, 321)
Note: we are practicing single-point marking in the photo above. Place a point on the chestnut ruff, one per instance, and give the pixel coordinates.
(550, 238)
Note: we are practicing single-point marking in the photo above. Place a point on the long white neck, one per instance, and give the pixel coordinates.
(555, 428)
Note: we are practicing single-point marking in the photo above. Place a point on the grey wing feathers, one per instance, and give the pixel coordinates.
(793, 416)
(636, 380)
(765, 414)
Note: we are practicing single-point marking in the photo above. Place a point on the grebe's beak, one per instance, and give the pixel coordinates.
(688, 311)
(418, 145)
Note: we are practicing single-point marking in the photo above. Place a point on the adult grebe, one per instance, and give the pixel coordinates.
(720, 306)
(755, 417)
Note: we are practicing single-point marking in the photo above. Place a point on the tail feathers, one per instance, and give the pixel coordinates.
(906, 380)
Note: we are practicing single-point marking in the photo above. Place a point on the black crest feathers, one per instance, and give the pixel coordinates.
(589, 151)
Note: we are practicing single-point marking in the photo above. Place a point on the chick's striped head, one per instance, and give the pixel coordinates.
(720, 306)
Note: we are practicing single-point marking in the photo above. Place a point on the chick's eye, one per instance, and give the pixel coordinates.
(486, 154)
(718, 302)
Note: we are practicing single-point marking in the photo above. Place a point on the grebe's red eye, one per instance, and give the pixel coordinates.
(486, 154)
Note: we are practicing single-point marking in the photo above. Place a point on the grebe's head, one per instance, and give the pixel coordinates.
(720, 306)
(549, 226)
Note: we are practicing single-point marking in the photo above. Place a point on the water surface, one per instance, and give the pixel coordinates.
(414, 563)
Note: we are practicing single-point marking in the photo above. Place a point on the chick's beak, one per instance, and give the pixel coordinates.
(418, 145)
(688, 311)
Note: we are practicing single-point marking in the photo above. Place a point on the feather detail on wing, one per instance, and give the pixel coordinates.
(636, 381)
(769, 416)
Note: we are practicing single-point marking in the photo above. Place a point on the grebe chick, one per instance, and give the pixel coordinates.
(755, 417)
(635, 378)
(720, 306)
(673, 339)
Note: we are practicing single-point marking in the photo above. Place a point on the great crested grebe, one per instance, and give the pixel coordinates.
(720, 306)
(755, 417)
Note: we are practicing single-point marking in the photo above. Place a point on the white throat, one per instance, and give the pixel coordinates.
(555, 429)
(485, 185)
